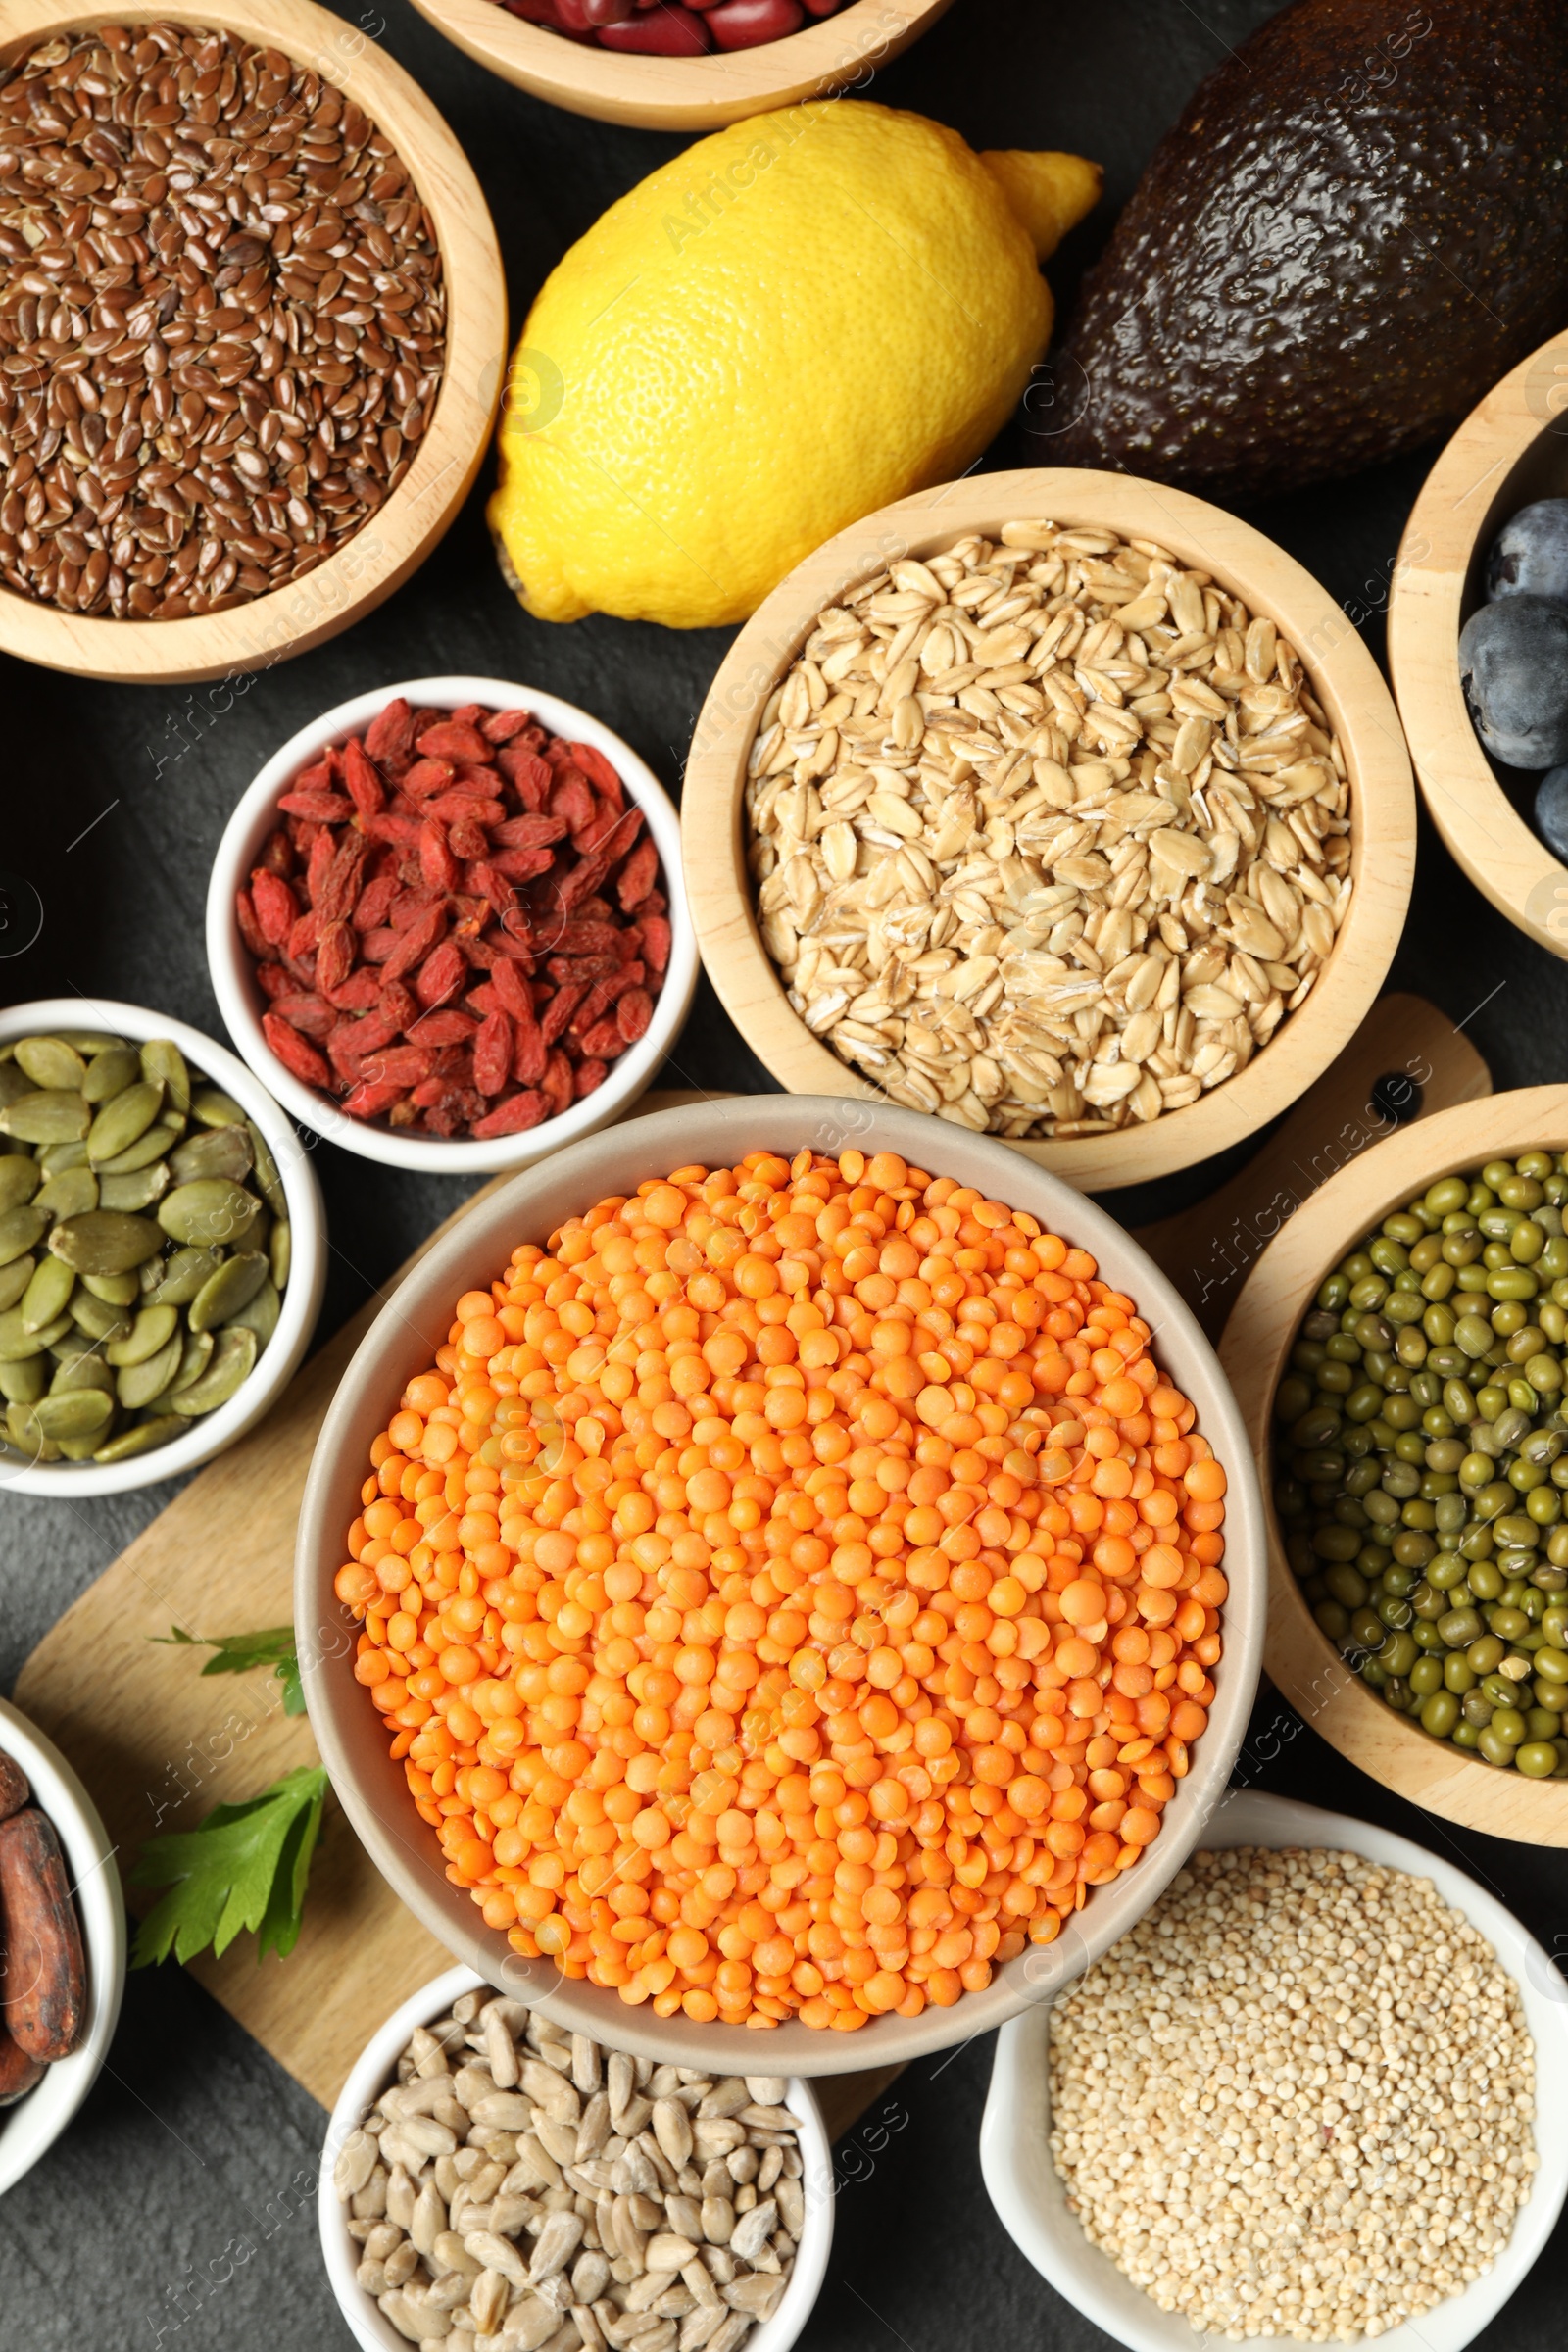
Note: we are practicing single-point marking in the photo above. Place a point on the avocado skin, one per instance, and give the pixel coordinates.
(1316, 273)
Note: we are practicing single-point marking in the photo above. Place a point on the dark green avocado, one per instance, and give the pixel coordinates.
(1359, 223)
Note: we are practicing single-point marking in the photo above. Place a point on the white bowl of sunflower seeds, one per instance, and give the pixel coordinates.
(468, 2137)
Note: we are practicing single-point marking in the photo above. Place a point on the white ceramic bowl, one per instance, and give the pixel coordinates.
(1030, 2198)
(37, 2120)
(280, 1358)
(414, 1322)
(374, 2069)
(240, 1001)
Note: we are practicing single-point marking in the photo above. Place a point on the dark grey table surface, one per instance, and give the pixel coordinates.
(192, 2160)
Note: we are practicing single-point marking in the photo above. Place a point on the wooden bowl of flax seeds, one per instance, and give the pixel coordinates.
(251, 334)
(1098, 837)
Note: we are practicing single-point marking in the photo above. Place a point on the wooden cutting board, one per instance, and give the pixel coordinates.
(158, 1744)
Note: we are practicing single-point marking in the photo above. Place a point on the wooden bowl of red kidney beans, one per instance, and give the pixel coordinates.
(682, 65)
(446, 925)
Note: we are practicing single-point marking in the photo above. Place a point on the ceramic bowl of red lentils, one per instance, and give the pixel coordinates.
(803, 1575)
(447, 928)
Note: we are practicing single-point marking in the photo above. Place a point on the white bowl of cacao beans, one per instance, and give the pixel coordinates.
(282, 1314)
(447, 925)
(544, 2273)
(34, 2112)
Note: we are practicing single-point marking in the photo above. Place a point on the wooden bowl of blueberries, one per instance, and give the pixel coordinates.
(1477, 645)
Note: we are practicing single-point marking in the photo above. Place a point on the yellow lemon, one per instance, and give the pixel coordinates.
(797, 320)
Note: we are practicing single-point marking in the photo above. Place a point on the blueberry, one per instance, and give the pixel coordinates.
(1513, 666)
(1528, 556)
(1552, 811)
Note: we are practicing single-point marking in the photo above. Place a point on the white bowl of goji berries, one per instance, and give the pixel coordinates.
(446, 926)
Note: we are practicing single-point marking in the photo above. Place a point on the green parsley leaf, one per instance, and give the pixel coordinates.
(241, 1653)
(245, 1866)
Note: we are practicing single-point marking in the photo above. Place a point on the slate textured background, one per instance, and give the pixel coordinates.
(195, 2154)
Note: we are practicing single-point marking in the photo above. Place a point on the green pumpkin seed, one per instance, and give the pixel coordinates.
(106, 1242)
(212, 1107)
(88, 1042)
(110, 1073)
(70, 1193)
(50, 1063)
(153, 1329)
(157, 1144)
(14, 1280)
(22, 1430)
(73, 1413)
(19, 1178)
(163, 1063)
(16, 1342)
(280, 1249)
(46, 1293)
(136, 1192)
(50, 1116)
(96, 1317)
(24, 1382)
(212, 1210)
(199, 1346)
(268, 1182)
(233, 1359)
(55, 1158)
(84, 1371)
(224, 1293)
(184, 1275)
(14, 1084)
(261, 1315)
(136, 1385)
(213, 1152)
(116, 1289)
(123, 1121)
(141, 1439)
(21, 1227)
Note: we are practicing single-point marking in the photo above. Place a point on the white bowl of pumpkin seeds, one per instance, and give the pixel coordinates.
(162, 1247)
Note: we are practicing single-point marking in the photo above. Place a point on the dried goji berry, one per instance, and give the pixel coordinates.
(276, 907)
(403, 1065)
(515, 1116)
(572, 799)
(513, 992)
(321, 807)
(531, 777)
(636, 876)
(441, 975)
(277, 854)
(492, 1054)
(297, 1054)
(477, 807)
(529, 832)
(334, 957)
(655, 941)
(316, 867)
(371, 1097)
(447, 1025)
(427, 776)
(600, 771)
(397, 1004)
(530, 1053)
(588, 1077)
(256, 941)
(451, 739)
(469, 840)
(500, 726)
(633, 1015)
(416, 943)
(310, 1014)
(606, 993)
(361, 781)
(390, 826)
(375, 903)
(378, 945)
(305, 936)
(559, 1011)
(356, 993)
(436, 861)
(390, 734)
(604, 1041)
(272, 981)
(556, 1084)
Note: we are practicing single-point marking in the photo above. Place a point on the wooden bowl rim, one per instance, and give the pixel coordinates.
(1345, 678)
(1299, 1657)
(1479, 824)
(395, 540)
(683, 93)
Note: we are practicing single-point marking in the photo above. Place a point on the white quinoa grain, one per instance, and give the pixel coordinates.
(1297, 2098)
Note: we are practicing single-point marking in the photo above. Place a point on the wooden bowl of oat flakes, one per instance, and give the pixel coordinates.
(1107, 842)
(252, 326)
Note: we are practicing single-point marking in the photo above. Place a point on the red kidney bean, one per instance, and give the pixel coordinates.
(750, 23)
(670, 32)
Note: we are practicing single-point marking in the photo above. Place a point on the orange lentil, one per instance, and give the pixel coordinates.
(791, 1591)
